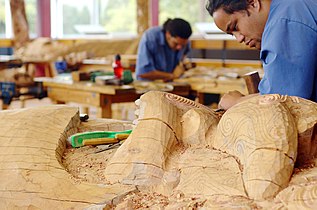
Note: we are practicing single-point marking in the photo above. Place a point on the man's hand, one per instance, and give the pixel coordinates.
(178, 71)
(230, 99)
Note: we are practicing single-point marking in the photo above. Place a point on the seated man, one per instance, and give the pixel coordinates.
(162, 49)
(286, 33)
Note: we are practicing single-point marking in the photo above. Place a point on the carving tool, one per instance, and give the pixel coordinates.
(84, 117)
(102, 148)
(98, 137)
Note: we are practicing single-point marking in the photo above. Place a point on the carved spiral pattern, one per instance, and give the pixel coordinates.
(295, 99)
(227, 126)
(276, 98)
(272, 99)
(240, 147)
(303, 196)
(184, 101)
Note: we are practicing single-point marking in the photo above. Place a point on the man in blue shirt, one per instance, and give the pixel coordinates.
(162, 49)
(286, 33)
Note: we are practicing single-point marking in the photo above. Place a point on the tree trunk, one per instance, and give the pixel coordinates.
(142, 15)
(19, 23)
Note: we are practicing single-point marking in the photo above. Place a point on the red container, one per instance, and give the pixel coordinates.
(117, 67)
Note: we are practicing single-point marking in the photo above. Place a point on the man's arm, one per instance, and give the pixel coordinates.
(145, 62)
(289, 59)
(180, 68)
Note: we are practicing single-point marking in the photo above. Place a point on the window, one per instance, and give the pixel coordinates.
(75, 18)
(192, 11)
(31, 15)
(6, 21)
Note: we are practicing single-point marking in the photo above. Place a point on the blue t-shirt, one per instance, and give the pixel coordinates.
(289, 49)
(155, 54)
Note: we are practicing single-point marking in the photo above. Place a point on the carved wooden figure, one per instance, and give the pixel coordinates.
(181, 154)
(251, 153)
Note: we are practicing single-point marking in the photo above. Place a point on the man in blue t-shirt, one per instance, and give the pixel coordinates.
(162, 49)
(286, 33)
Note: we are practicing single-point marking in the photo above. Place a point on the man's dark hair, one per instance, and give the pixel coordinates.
(229, 6)
(178, 27)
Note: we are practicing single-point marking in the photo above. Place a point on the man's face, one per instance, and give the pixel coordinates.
(175, 43)
(246, 27)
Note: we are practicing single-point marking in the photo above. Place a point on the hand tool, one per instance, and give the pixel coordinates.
(98, 137)
(84, 117)
(252, 80)
(102, 148)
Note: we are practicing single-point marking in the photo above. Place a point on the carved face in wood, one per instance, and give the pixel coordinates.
(181, 145)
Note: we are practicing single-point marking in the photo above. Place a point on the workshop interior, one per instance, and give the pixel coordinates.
(158, 104)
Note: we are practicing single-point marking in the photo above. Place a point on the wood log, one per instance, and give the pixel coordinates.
(32, 145)
(180, 154)
(261, 135)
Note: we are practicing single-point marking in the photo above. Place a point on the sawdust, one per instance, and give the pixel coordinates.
(86, 164)
(153, 200)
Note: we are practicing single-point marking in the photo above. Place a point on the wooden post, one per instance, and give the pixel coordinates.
(19, 23)
(142, 15)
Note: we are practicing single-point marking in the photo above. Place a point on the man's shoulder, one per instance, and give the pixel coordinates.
(294, 10)
(154, 35)
(153, 31)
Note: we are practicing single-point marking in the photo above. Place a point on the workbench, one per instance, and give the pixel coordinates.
(101, 96)
(105, 63)
(214, 86)
(8, 61)
(217, 80)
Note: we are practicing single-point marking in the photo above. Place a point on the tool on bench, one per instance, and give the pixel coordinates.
(7, 91)
(98, 137)
(83, 117)
(11, 90)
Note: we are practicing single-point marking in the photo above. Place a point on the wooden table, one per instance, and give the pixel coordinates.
(204, 86)
(8, 61)
(215, 80)
(100, 96)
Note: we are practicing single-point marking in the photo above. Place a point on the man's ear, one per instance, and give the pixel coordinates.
(254, 4)
(168, 34)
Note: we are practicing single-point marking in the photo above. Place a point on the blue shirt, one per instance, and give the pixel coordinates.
(289, 49)
(155, 54)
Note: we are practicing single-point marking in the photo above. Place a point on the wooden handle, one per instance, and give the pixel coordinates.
(121, 136)
(100, 141)
(252, 81)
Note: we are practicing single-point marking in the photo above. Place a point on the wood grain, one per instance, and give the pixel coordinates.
(260, 154)
(32, 143)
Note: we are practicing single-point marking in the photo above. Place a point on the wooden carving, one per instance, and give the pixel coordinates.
(32, 145)
(181, 154)
(251, 153)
